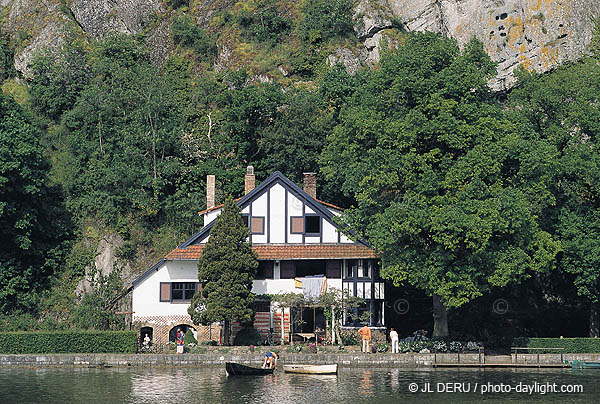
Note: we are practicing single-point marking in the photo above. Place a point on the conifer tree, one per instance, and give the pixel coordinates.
(226, 270)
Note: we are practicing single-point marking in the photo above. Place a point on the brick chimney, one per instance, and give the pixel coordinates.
(310, 184)
(249, 180)
(210, 191)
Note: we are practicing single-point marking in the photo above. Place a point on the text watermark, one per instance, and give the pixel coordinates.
(487, 388)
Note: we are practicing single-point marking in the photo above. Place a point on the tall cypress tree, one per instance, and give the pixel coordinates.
(226, 270)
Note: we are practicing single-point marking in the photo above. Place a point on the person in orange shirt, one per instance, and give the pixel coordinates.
(365, 333)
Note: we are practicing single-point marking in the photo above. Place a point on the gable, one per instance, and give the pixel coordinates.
(280, 212)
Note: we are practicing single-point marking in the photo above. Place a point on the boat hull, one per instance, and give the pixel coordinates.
(585, 365)
(311, 369)
(236, 369)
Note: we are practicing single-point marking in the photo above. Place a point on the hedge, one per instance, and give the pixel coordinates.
(68, 342)
(570, 345)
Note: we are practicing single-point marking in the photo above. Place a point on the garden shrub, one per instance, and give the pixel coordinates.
(247, 336)
(570, 345)
(189, 338)
(68, 342)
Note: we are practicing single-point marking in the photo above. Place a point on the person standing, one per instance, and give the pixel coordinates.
(394, 338)
(365, 333)
(180, 337)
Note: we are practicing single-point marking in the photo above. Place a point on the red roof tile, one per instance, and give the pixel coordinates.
(287, 252)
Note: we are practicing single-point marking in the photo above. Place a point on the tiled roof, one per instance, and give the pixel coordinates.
(287, 252)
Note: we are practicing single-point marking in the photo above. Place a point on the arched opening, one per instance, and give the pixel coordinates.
(146, 332)
(183, 327)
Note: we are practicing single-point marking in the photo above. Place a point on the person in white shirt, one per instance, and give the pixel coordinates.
(394, 338)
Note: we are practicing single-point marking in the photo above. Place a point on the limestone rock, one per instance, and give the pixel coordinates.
(537, 34)
(98, 17)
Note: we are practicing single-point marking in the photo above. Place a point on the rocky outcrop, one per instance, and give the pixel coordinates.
(98, 17)
(537, 34)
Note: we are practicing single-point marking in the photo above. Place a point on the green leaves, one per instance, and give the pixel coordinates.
(226, 270)
(441, 177)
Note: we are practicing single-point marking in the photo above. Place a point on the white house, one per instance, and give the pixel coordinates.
(297, 243)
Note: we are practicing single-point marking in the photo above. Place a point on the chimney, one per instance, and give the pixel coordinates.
(249, 180)
(310, 184)
(210, 191)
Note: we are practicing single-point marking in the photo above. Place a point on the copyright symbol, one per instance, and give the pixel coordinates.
(401, 306)
(500, 306)
(413, 387)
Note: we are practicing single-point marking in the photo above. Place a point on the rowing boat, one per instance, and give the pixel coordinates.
(237, 369)
(311, 369)
(585, 365)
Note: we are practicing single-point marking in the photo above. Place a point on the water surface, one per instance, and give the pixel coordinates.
(192, 385)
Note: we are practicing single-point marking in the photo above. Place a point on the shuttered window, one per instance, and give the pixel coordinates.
(297, 225)
(334, 269)
(257, 225)
(288, 269)
(165, 291)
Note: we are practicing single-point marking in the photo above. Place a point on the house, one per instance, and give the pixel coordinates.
(298, 243)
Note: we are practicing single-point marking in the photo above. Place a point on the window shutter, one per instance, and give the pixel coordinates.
(165, 292)
(258, 225)
(288, 269)
(297, 225)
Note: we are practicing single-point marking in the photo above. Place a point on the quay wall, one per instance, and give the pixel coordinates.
(219, 359)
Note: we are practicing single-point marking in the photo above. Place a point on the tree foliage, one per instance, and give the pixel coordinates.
(226, 270)
(447, 189)
(34, 226)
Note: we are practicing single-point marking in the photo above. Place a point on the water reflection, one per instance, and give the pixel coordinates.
(211, 385)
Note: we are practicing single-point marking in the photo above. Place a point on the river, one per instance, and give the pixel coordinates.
(191, 385)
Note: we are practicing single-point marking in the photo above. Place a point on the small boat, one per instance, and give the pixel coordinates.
(585, 365)
(237, 369)
(311, 369)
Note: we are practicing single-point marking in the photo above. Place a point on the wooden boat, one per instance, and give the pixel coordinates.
(237, 369)
(585, 365)
(311, 369)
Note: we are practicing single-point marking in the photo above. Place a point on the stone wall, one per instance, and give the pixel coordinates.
(216, 358)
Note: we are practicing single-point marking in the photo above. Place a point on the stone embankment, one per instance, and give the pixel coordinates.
(343, 359)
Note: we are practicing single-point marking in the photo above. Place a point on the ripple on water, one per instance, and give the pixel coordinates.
(352, 385)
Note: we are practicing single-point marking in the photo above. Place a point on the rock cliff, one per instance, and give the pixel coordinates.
(538, 34)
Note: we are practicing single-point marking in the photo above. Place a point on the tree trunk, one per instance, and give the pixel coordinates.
(594, 326)
(440, 318)
(226, 332)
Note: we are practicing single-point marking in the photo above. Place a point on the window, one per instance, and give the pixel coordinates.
(296, 225)
(334, 269)
(351, 268)
(181, 291)
(265, 270)
(261, 306)
(288, 269)
(364, 268)
(257, 225)
(312, 224)
(245, 219)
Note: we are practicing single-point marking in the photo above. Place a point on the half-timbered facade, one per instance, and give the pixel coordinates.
(300, 250)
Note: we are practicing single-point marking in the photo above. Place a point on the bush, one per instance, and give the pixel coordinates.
(264, 24)
(210, 342)
(324, 19)
(247, 336)
(189, 338)
(68, 342)
(382, 347)
(186, 32)
(349, 337)
(570, 345)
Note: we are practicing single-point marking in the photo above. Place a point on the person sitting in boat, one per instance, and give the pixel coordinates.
(270, 360)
